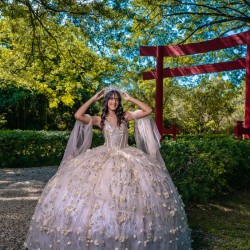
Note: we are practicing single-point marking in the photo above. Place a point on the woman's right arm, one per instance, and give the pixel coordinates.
(80, 113)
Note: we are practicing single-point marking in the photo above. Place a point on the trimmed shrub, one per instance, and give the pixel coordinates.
(26, 148)
(201, 168)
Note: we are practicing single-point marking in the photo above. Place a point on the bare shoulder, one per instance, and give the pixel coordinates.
(96, 119)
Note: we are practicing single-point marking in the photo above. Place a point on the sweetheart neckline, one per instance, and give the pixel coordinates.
(113, 124)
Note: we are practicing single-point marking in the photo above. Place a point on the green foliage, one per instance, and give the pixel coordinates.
(60, 66)
(201, 168)
(115, 30)
(23, 109)
(27, 110)
(31, 148)
(212, 106)
(35, 148)
(66, 51)
(2, 120)
(207, 108)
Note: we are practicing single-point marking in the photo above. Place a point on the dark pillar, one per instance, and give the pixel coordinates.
(247, 100)
(159, 90)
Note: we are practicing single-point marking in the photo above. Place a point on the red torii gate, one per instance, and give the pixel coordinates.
(195, 48)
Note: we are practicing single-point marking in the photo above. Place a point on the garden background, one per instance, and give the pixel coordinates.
(54, 55)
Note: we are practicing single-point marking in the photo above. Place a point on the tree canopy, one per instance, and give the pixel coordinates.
(67, 50)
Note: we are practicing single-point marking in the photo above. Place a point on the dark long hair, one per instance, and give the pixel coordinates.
(119, 110)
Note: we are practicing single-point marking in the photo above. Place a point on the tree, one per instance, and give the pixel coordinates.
(42, 43)
(203, 18)
(61, 77)
(208, 107)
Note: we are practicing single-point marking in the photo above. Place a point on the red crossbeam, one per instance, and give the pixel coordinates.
(201, 69)
(196, 48)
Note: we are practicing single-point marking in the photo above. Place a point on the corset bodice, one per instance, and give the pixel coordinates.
(116, 137)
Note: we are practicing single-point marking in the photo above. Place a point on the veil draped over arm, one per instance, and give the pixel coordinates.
(147, 137)
(80, 139)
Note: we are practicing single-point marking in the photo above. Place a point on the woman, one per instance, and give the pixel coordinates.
(113, 196)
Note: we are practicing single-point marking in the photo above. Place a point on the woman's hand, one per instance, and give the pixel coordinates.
(144, 110)
(126, 96)
(98, 95)
(80, 113)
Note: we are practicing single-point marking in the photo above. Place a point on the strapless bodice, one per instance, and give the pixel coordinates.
(116, 137)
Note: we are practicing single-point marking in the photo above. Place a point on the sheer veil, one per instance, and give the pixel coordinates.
(147, 137)
(79, 141)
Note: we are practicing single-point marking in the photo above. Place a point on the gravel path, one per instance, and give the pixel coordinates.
(20, 189)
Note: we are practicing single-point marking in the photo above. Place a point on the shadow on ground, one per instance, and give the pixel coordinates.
(19, 193)
(221, 224)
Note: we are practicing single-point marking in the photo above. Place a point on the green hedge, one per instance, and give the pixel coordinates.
(25, 148)
(31, 148)
(200, 166)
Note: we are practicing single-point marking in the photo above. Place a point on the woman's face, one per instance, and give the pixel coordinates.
(113, 102)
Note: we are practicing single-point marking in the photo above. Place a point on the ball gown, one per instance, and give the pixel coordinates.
(113, 197)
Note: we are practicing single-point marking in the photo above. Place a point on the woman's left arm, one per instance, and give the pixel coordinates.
(145, 110)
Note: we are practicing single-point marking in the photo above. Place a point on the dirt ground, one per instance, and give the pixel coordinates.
(20, 189)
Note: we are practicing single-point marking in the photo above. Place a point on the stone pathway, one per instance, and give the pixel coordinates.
(20, 189)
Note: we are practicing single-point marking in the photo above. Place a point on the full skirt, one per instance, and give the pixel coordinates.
(110, 199)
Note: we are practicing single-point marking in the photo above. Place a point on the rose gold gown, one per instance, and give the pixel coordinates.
(110, 197)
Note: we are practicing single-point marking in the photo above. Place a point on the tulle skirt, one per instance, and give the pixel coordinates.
(110, 199)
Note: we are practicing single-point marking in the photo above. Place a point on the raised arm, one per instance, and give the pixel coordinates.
(80, 113)
(145, 110)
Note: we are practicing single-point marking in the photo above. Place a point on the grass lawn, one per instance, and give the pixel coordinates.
(224, 223)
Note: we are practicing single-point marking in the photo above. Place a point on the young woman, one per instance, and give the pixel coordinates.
(113, 196)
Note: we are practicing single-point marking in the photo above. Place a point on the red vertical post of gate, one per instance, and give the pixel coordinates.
(159, 90)
(247, 100)
(195, 48)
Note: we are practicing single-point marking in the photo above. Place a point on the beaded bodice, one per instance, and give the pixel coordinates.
(116, 137)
